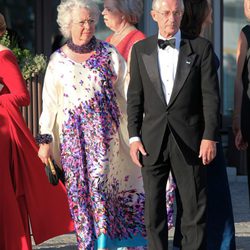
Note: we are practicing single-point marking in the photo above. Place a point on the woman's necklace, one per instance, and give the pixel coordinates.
(119, 35)
(82, 49)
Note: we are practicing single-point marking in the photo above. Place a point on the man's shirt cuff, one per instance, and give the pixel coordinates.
(133, 139)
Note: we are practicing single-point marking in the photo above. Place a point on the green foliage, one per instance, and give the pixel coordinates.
(30, 65)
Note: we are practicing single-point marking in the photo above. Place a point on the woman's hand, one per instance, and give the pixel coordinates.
(239, 142)
(236, 124)
(44, 152)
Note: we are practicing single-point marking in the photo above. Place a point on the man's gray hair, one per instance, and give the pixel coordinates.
(156, 4)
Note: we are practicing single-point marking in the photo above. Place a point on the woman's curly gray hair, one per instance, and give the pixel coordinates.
(65, 13)
(132, 9)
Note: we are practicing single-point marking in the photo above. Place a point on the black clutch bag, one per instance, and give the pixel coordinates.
(54, 173)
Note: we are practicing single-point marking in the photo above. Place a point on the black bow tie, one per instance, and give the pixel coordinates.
(164, 43)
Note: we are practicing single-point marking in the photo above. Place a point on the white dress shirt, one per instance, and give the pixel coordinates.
(168, 59)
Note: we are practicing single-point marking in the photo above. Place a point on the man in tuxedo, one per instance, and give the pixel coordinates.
(173, 107)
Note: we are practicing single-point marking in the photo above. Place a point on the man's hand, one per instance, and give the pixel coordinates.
(135, 148)
(207, 151)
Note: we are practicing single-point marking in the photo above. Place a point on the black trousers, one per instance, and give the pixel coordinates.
(220, 220)
(191, 183)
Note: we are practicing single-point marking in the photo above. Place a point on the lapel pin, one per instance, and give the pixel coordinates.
(188, 61)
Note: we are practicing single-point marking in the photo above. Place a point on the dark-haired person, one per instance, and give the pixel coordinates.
(14, 38)
(220, 222)
(241, 117)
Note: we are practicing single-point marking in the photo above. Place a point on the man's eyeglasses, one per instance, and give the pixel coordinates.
(167, 14)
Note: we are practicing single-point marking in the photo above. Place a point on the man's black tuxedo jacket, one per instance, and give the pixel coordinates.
(192, 113)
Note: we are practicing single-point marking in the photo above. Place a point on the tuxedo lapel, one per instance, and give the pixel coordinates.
(185, 63)
(151, 63)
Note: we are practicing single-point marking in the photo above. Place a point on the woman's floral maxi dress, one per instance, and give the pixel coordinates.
(105, 191)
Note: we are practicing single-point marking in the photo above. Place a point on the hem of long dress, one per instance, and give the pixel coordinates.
(104, 241)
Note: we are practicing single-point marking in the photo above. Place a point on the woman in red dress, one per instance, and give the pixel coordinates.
(26, 196)
(121, 16)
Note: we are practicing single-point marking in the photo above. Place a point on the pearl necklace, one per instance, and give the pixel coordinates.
(82, 49)
(118, 36)
(121, 31)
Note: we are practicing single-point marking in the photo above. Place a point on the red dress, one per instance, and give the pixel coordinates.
(25, 192)
(127, 42)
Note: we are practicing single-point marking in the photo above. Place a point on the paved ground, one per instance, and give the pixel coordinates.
(241, 214)
(239, 192)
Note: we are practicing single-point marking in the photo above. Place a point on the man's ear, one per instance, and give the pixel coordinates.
(153, 14)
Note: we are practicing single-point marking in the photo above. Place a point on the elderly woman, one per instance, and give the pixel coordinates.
(82, 116)
(121, 16)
